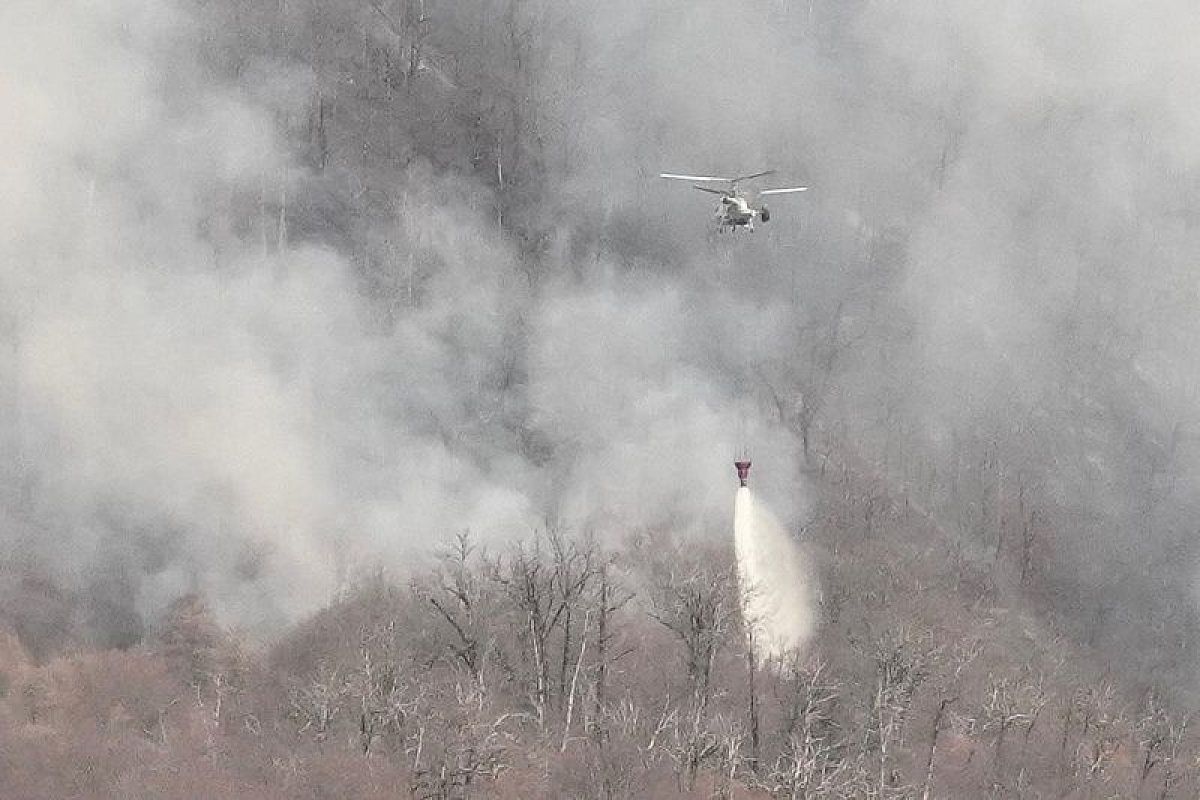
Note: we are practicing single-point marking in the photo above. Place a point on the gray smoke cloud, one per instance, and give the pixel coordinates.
(1000, 237)
(232, 416)
(1004, 217)
(198, 405)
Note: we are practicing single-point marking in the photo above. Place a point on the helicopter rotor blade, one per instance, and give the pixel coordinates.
(711, 191)
(708, 178)
(755, 175)
(784, 191)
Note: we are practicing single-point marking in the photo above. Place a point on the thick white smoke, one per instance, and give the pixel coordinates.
(196, 399)
(775, 582)
(190, 400)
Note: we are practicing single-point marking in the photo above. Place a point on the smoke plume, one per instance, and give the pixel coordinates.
(200, 395)
(220, 373)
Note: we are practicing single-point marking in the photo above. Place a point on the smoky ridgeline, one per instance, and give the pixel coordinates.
(555, 667)
(368, 405)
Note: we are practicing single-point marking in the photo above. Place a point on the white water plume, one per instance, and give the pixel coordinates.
(774, 580)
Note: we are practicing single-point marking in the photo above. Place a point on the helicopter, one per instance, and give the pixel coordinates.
(736, 209)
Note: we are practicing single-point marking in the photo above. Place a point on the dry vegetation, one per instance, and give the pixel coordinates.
(1003, 586)
(557, 667)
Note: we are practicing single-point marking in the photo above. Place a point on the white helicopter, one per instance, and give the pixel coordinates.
(736, 210)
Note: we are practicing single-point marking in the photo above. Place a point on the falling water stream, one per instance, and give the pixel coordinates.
(774, 580)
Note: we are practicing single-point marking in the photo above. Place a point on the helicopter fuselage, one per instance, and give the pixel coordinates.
(736, 211)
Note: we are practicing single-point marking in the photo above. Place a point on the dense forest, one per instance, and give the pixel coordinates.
(369, 405)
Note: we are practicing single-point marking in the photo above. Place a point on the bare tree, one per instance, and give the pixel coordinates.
(315, 703)
(935, 729)
(696, 600)
(812, 759)
(899, 660)
(1160, 740)
(1010, 703)
(457, 595)
(800, 397)
(384, 700)
(548, 581)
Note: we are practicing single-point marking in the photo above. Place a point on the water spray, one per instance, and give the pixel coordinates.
(773, 576)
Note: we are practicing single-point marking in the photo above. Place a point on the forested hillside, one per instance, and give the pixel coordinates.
(369, 404)
(556, 667)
